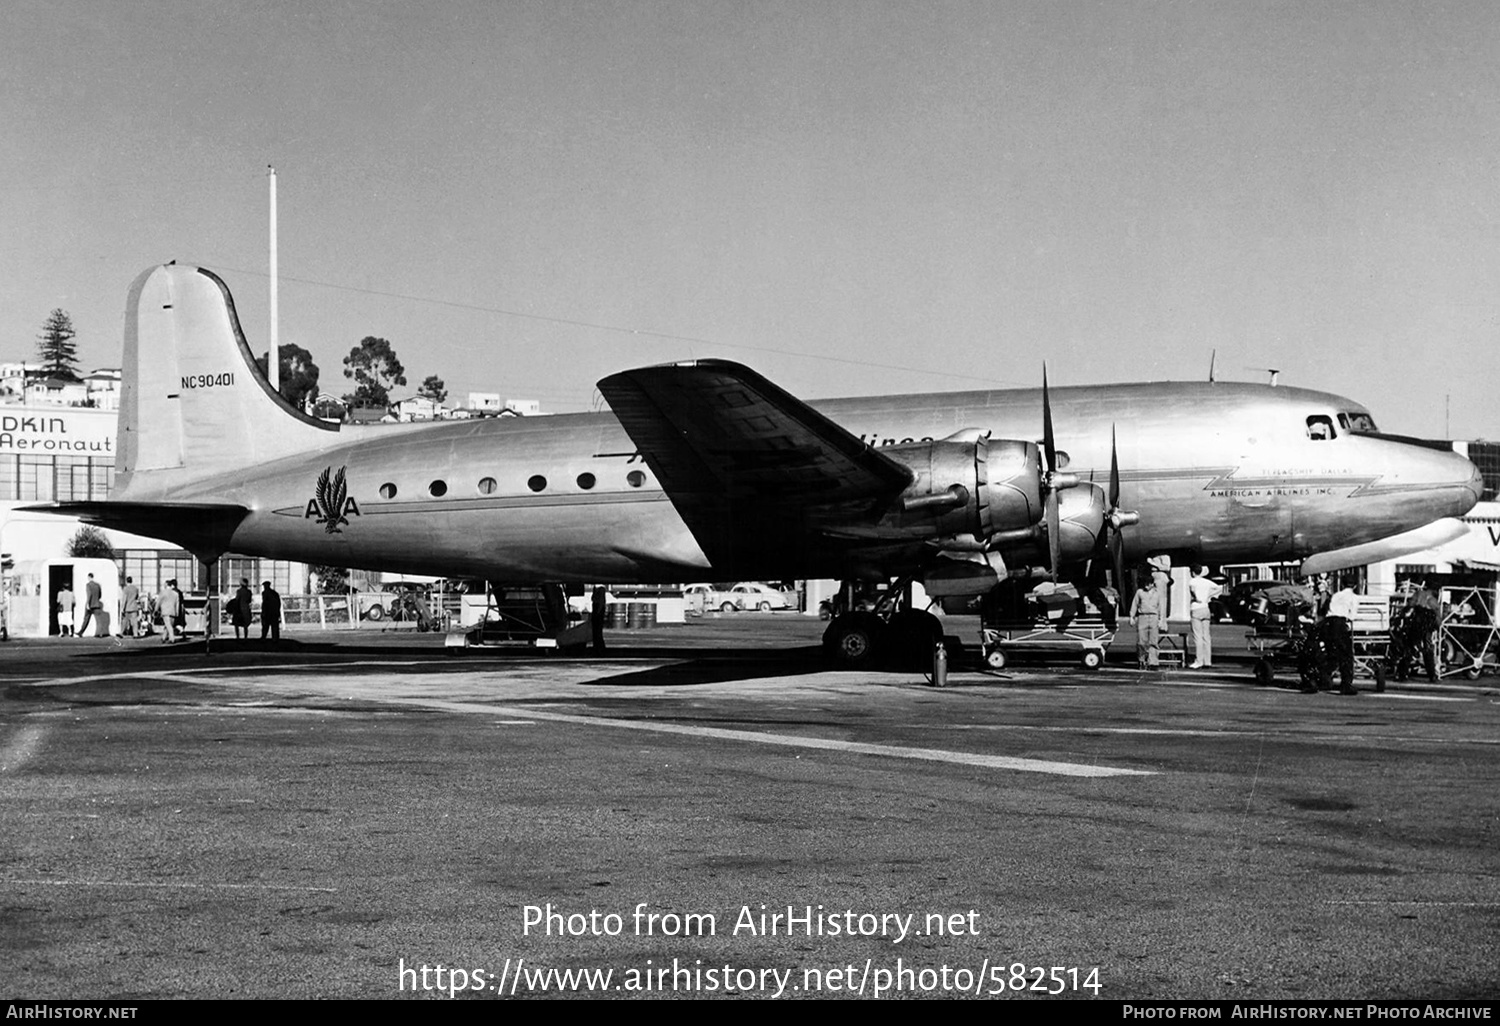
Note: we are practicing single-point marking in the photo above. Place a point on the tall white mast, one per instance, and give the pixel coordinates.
(273, 357)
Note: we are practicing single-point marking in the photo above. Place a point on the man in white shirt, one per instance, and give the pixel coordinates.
(1202, 590)
(1338, 632)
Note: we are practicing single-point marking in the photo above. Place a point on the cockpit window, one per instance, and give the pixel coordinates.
(1320, 427)
(1358, 423)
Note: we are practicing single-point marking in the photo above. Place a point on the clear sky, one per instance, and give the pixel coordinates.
(852, 196)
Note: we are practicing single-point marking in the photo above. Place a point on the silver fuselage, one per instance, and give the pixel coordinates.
(1219, 472)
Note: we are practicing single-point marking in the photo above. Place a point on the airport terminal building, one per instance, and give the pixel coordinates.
(55, 453)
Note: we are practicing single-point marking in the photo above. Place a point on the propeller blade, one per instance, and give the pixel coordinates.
(1049, 444)
(1117, 557)
(1054, 533)
(1114, 472)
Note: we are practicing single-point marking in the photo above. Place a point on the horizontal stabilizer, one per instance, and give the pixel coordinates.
(203, 528)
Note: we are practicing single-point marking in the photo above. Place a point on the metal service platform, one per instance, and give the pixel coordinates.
(1085, 640)
(1468, 638)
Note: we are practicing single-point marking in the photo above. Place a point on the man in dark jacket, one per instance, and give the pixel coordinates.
(270, 612)
(93, 605)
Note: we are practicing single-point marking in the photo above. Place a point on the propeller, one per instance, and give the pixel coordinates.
(1115, 518)
(1053, 481)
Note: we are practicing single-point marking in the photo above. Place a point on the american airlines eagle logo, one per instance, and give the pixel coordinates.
(331, 504)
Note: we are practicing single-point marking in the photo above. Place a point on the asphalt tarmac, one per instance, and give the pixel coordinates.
(709, 811)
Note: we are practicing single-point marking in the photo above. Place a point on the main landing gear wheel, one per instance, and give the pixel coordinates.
(853, 640)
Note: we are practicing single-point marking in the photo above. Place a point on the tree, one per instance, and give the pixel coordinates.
(55, 347)
(375, 370)
(90, 543)
(299, 375)
(332, 580)
(434, 389)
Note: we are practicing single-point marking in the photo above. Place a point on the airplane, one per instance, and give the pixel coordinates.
(706, 470)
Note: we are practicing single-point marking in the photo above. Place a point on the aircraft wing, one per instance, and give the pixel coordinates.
(752, 470)
(199, 527)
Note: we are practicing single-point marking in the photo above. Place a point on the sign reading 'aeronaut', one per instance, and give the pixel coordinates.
(66, 431)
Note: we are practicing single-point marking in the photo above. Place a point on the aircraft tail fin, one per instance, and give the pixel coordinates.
(193, 402)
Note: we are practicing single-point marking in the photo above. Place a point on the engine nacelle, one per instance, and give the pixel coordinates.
(1081, 513)
(962, 489)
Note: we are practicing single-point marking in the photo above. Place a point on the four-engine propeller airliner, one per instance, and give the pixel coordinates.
(708, 471)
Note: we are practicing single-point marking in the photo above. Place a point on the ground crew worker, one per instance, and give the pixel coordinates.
(1338, 632)
(1427, 610)
(1202, 592)
(1145, 617)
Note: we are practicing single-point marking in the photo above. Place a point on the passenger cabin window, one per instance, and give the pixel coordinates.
(1320, 428)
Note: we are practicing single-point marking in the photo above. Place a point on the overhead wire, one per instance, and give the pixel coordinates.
(640, 332)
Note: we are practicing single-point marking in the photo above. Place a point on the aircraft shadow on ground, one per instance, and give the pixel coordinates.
(669, 665)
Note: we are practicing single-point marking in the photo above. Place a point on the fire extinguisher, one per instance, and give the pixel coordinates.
(939, 665)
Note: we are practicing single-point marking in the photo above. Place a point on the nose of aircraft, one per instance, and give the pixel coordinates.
(1459, 480)
(1475, 484)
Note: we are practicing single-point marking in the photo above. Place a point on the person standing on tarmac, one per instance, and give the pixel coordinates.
(130, 607)
(270, 613)
(1202, 591)
(241, 609)
(169, 605)
(65, 611)
(1426, 612)
(93, 605)
(1338, 632)
(1145, 617)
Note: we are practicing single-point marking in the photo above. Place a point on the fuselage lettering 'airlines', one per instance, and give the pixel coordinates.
(707, 471)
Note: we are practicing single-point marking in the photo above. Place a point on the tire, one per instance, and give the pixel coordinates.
(995, 658)
(854, 640)
(1092, 659)
(727, 607)
(1379, 672)
(764, 607)
(1264, 674)
(375, 613)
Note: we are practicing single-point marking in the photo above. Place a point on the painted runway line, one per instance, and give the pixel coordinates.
(1066, 769)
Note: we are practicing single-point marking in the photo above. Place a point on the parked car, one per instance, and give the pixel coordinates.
(706, 598)
(751, 595)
